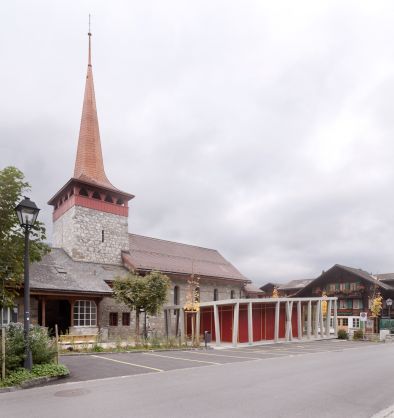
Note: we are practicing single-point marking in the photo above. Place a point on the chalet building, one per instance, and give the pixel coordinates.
(92, 246)
(355, 289)
(291, 288)
(268, 289)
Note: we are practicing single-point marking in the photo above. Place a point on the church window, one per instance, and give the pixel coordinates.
(85, 313)
(215, 294)
(232, 294)
(83, 192)
(9, 315)
(176, 295)
(126, 319)
(96, 195)
(113, 319)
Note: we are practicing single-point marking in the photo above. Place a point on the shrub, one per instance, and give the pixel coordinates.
(21, 375)
(358, 334)
(342, 334)
(43, 348)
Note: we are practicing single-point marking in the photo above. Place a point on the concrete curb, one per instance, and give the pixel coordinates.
(39, 381)
(134, 351)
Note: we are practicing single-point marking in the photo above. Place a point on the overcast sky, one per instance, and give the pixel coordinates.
(263, 129)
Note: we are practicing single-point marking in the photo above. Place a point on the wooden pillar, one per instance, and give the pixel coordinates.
(250, 323)
(277, 313)
(299, 320)
(309, 320)
(72, 312)
(43, 306)
(217, 324)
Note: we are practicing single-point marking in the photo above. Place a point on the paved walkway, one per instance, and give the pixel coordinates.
(100, 366)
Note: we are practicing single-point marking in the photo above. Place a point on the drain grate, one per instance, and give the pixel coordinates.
(70, 393)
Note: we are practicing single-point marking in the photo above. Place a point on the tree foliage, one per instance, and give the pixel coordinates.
(142, 293)
(12, 188)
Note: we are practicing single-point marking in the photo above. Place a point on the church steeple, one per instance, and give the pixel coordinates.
(89, 213)
(89, 165)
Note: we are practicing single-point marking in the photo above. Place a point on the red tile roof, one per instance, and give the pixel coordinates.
(173, 257)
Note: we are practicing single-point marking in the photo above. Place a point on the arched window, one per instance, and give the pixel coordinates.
(215, 294)
(85, 313)
(232, 295)
(176, 295)
(83, 192)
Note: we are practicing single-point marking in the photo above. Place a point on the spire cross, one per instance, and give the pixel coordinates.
(90, 53)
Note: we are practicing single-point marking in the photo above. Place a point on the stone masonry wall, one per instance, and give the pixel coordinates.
(79, 232)
(156, 324)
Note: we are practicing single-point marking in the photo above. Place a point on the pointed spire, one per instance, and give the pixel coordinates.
(89, 165)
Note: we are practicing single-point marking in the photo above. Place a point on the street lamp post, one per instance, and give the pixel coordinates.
(27, 212)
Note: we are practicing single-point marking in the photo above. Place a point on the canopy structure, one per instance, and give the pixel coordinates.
(254, 321)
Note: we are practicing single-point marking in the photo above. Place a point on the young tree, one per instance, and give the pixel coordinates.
(12, 187)
(142, 293)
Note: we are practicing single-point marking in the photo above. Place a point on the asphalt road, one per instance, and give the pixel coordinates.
(319, 379)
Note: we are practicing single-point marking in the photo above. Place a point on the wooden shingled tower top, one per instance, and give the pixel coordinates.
(89, 164)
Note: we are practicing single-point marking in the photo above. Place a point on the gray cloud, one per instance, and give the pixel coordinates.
(262, 129)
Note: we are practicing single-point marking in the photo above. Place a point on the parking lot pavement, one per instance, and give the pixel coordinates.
(100, 365)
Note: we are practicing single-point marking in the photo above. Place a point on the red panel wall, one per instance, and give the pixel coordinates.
(243, 336)
(226, 323)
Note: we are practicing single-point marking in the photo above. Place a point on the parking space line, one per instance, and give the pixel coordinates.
(223, 355)
(130, 364)
(258, 351)
(181, 358)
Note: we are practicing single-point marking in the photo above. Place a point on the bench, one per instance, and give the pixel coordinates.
(69, 339)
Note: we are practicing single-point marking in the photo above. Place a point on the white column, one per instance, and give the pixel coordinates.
(235, 324)
(309, 320)
(277, 313)
(217, 324)
(336, 318)
(250, 323)
(317, 318)
(182, 324)
(321, 321)
(289, 306)
(299, 320)
(198, 320)
(328, 319)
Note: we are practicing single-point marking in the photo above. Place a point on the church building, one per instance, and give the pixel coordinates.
(71, 286)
